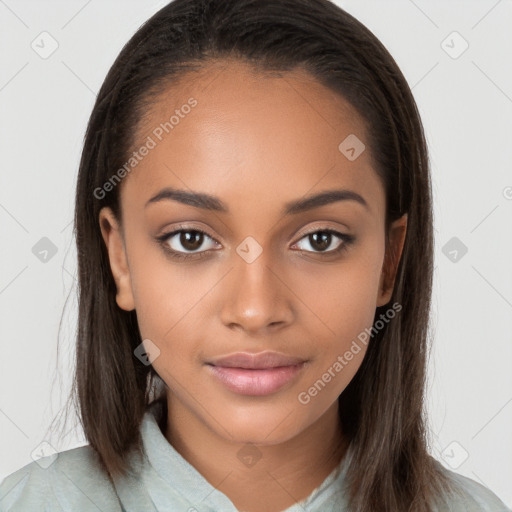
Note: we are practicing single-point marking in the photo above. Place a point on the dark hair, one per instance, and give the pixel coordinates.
(382, 409)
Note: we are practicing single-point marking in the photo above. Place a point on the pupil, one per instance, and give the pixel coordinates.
(191, 242)
(325, 240)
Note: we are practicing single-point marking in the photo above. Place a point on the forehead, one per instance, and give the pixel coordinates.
(267, 135)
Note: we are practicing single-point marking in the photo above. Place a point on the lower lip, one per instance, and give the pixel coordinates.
(255, 382)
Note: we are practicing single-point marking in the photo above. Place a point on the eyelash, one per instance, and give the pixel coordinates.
(163, 239)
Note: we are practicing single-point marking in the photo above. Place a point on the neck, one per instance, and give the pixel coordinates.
(256, 477)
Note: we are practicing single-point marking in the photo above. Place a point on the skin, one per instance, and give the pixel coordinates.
(256, 142)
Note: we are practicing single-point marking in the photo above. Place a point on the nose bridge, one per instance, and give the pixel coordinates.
(257, 298)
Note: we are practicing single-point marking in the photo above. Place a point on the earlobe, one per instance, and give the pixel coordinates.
(397, 233)
(114, 243)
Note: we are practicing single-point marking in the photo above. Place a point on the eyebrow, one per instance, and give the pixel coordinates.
(213, 203)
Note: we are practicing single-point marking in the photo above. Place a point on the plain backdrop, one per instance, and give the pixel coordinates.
(456, 57)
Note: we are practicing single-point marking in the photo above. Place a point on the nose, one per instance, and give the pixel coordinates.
(257, 299)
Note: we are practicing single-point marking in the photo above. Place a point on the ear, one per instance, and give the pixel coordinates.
(114, 242)
(397, 232)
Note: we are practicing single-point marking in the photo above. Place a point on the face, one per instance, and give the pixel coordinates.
(257, 268)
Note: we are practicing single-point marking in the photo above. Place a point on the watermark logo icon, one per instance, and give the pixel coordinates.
(44, 454)
(454, 249)
(454, 45)
(44, 45)
(454, 455)
(351, 147)
(249, 455)
(44, 250)
(249, 250)
(146, 352)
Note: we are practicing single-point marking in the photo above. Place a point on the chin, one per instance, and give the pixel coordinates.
(272, 426)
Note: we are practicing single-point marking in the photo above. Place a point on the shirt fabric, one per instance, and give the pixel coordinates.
(165, 482)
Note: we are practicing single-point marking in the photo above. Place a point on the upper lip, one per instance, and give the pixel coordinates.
(256, 361)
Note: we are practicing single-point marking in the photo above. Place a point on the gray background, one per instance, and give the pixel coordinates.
(465, 99)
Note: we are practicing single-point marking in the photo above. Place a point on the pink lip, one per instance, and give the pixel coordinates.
(262, 360)
(256, 374)
(255, 382)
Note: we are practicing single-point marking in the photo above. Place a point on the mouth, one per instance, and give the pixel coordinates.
(256, 374)
(260, 361)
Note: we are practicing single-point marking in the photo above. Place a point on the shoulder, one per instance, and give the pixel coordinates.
(67, 480)
(469, 495)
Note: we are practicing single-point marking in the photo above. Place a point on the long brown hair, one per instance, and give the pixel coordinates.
(382, 409)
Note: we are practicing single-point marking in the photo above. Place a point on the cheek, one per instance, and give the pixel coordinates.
(171, 302)
(343, 297)
(164, 291)
(344, 304)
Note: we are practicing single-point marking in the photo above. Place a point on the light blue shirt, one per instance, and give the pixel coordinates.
(166, 482)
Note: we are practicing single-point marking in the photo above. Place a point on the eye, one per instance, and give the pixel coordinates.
(186, 243)
(323, 241)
